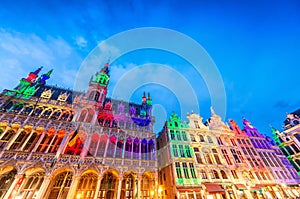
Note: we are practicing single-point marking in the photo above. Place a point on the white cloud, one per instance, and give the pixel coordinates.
(81, 42)
(22, 53)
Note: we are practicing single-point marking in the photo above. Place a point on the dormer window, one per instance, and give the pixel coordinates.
(46, 94)
(62, 97)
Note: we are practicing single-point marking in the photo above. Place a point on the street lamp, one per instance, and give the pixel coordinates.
(160, 191)
(152, 193)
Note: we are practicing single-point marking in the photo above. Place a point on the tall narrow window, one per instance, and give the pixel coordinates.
(102, 145)
(192, 168)
(235, 176)
(235, 156)
(175, 152)
(178, 135)
(208, 158)
(203, 174)
(226, 156)
(199, 159)
(187, 151)
(181, 151)
(223, 174)
(201, 138)
(178, 170)
(184, 135)
(196, 124)
(185, 170)
(172, 135)
(209, 139)
(216, 156)
(192, 138)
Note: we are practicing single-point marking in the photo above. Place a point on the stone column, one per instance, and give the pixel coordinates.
(119, 187)
(139, 187)
(44, 186)
(156, 186)
(97, 187)
(73, 187)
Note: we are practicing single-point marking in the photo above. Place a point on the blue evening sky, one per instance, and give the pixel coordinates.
(254, 44)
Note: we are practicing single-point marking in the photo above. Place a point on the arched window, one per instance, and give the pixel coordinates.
(127, 187)
(203, 174)
(136, 148)
(208, 158)
(108, 187)
(65, 116)
(209, 139)
(75, 148)
(87, 186)
(61, 185)
(146, 187)
(201, 138)
(54, 145)
(45, 142)
(102, 145)
(144, 149)
(128, 148)
(90, 116)
(27, 110)
(8, 106)
(56, 114)
(6, 180)
(6, 138)
(37, 111)
(46, 113)
(82, 116)
(223, 174)
(94, 95)
(111, 146)
(93, 145)
(17, 107)
(151, 150)
(32, 184)
(120, 146)
(215, 174)
(32, 141)
(19, 141)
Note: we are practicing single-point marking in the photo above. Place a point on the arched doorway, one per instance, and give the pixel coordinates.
(146, 187)
(127, 187)
(6, 180)
(108, 187)
(61, 185)
(87, 186)
(31, 185)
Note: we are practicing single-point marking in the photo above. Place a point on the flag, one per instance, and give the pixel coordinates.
(73, 139)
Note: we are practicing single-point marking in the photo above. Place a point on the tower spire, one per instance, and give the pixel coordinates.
(44, 77)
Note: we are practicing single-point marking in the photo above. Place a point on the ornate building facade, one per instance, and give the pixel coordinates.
(59, 143)
(289, 139)
(215, 161)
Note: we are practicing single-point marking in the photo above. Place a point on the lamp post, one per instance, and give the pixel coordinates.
(159, 191)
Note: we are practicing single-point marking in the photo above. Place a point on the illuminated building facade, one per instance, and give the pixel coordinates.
(289, 139)
(283, 173)
(59, 143)
(215, 161)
